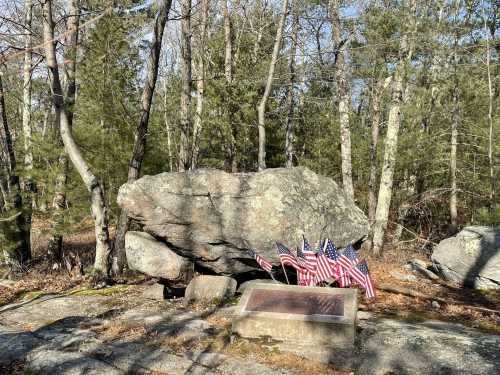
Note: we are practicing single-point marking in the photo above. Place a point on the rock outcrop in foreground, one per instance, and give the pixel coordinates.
(472, 257)
(213, 217)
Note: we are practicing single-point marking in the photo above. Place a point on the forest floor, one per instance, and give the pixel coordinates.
(41, 284)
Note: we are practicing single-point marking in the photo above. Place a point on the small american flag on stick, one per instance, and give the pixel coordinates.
(348, 259)
(309, 254)
(368, 282)
(286, 257)
(327, 262)
(264, 264)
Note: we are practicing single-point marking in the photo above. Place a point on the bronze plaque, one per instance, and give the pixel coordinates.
(290, 302)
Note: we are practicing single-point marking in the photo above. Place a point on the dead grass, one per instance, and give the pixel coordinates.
(400, 305)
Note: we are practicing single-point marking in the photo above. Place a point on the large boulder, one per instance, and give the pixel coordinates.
(213, 217)
(472, 257)
(147, 255)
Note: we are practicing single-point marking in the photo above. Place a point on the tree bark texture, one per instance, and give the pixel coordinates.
(200, 86)
(55, 245)
(344, 98)
(290, 101)
(261, 108)
(141, 132)
(391, 140)
(14, 228)
(186, 78)
(98, 206)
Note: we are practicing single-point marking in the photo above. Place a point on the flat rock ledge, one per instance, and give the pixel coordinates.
(111, 335)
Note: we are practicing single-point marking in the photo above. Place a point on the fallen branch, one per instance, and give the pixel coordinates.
(413, 293)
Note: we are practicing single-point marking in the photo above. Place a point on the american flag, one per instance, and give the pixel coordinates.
(264, 264)
(286, 257)
(305, 263)
(348, 259)
(309, 254)
(305, 277)
(327, 261)
(368, 282)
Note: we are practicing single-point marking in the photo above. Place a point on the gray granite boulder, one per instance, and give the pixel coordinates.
(472, 257)
(205, 288)
(146, 255)
(213, 217)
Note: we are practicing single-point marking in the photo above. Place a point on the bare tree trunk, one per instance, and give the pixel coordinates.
(375, 114)
(228, 74)
(200, 86)
(490, 116)
(55, 245)
(98, 206)
(28, 152)
(167, 126)
(261, 108)
(185, 110)
(14, 233)
(289, 137)
(391, 142)
(141, 132)
(453, 160)
(344, 98)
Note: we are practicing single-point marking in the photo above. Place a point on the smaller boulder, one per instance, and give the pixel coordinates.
(471, 258)
(147, 255)
(205, 288)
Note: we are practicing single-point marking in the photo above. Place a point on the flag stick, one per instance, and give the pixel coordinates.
(286, 276)
(272, 277)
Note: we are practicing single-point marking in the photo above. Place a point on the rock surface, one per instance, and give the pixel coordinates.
(389, 346)
(205, 288)
(146, 255)
(213, 217)
(127, 334)
(472, 257)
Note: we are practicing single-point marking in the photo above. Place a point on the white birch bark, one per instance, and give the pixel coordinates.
(200, 85)
(186, 78)
(98, 206)
(261, 108)
(28, 152)
(391, 141)
(491, 164)
(344, 99)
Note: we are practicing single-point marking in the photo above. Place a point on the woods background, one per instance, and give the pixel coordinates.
(397, 101)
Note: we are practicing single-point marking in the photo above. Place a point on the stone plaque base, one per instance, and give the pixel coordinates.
(306, 315)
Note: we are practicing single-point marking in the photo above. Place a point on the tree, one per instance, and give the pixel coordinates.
(187, 83)
(55, 245)
(290, 102)
(14, 236)
(391, 140)
(200, 84)
(344, 98)
(141, 131)
(98, 205)
(261, 108)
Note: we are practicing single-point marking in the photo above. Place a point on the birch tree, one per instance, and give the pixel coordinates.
(261, 108)
(290, 102)
(27, 66)
(98, 204)
(55, 245)
(391, 140)
(141, 132)
(200, 84)
(186, 78)
(344, 97)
